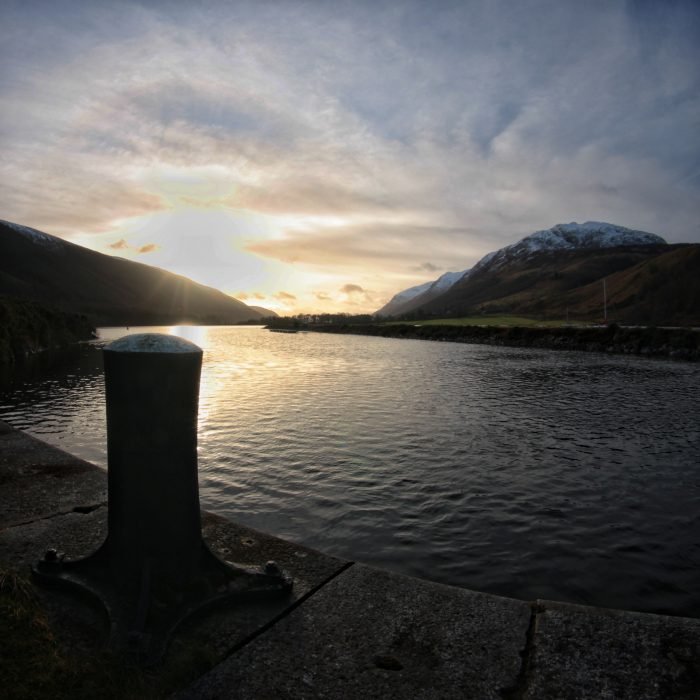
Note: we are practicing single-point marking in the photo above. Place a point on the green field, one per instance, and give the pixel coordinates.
(507, 321)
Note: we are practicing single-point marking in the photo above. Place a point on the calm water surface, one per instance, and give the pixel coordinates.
(527, 473)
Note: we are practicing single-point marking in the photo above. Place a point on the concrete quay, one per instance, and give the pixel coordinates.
(347, 630)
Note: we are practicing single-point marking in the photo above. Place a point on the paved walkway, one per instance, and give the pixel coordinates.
(348, 630)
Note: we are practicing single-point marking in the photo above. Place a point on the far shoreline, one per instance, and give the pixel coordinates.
(658, 342)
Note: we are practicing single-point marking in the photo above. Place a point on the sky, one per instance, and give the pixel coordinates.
(313, 156)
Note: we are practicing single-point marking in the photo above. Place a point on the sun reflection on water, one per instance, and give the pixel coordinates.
(199, 335)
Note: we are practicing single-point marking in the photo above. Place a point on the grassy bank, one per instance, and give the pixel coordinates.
(34, 663)
(677, 343)
(41, 660)
(506, 321)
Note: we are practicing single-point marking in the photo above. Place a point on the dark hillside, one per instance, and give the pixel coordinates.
(664, 290)
(645, 284)
(27, 327)
(109, 290)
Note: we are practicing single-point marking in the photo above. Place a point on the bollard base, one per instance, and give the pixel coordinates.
(142, 615)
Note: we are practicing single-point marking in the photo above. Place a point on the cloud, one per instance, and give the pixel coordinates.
(245, 296)
(358, 297)
(427, 267)
(322, 296)
(299, 109)
(365, 246)
(79, 198)
(352, 289)
(284, 297)
(122, 244)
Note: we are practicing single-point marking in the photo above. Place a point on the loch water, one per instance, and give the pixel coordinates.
(527, 473)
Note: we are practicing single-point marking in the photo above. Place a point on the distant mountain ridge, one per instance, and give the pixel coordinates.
(108, 290)
(558, 273)
(415, 297)
(266, 313)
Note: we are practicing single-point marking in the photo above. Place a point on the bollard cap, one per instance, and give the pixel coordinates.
(153, 342)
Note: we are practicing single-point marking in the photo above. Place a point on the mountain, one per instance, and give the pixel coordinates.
(647, 282)
(27, 327)
(559, 272)
(663, 289)
(573, 236)
(265, 313)
(110, 291)
(414, 297)
(401, 298)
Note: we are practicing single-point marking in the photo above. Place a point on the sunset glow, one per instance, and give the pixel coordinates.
(324, 156)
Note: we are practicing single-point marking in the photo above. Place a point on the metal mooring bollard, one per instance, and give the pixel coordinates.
(154, 569)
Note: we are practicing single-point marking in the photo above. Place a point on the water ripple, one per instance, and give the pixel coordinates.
(527, 473)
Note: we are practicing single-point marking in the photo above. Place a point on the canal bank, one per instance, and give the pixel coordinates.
(672, 343)
(345, 631)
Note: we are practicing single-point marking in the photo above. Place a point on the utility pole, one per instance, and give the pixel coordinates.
(605, 303)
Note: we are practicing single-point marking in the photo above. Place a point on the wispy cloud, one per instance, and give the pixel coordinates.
(427, 267)
(368, 245)
(122, 245)
(396, 140)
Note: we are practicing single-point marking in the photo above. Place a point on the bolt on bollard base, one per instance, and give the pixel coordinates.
(154, 570)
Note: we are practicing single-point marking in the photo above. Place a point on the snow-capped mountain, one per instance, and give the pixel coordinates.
(591, 234)
(446, 281)
(573, 236)
(411, 292)
(36, 236)
(420, 294)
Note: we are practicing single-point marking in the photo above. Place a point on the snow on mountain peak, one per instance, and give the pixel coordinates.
(38, 236)
(428, 289)
(411, 292)
(591, 234)
(447, 280)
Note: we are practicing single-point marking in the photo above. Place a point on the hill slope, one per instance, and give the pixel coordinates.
(655, 284)
(395, 305)
(414, 297)
(559, 272)
(661, 290)
(27, 327)
(560, 239)
(109, 290)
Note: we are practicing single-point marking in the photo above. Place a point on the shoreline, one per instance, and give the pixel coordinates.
(28, 328)
(666, 343)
